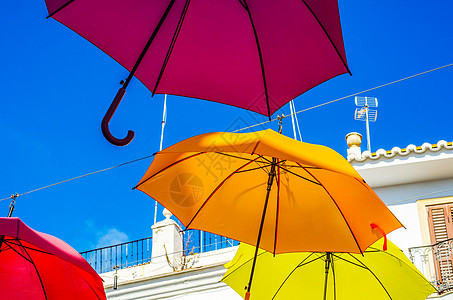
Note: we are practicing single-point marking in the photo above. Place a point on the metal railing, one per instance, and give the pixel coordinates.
(137, 252)
(119, 256)
(435, 262)
(197, 241)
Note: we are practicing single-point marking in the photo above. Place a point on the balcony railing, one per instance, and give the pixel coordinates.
(435, 262)
(119, 256)
(197, 241)
(137, 252)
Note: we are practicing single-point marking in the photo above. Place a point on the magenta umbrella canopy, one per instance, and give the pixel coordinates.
(35, 265)
(253, 54)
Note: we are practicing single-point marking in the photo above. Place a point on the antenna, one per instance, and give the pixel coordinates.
(364, 113)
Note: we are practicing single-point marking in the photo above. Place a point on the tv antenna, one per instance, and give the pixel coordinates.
(364, 113)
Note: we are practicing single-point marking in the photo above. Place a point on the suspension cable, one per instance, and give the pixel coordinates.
(81, 176)
(352, 95)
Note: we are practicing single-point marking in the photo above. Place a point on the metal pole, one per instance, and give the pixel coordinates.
(201, 241)
(367, 128)
(297, 121)
(164, 120)
(292, 118)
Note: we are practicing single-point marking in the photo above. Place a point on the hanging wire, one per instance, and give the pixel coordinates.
(420, 196)
(81, 176)
(295, 113)
(352, 95)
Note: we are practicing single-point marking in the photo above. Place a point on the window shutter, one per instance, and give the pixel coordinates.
(441, 229)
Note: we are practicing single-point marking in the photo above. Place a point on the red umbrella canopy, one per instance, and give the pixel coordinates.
(35, 265)
(253, 54)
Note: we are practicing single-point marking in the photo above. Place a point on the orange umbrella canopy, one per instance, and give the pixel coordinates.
(300, 196)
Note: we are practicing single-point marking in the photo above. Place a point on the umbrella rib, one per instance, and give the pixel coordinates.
(348, 261)
(216, 189)
(89, 285)
(369, 270)
(302, 263)
(312, 181)
(249, 159)
(336, 204)
(36, 269)
(253, 169)
(61, 7)
(299, 167)
(242, 3)
(263, 73)
(8, 244)
(11, 242)
(257, 143)
(2, 239)
(169, 166)
(234, 156)
(243, 264)
(328, 36)
(172, 44)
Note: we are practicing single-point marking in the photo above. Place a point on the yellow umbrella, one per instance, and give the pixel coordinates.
(266, 189)
(375, 275)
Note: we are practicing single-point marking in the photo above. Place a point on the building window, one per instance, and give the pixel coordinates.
(440, 222)
(440, 226)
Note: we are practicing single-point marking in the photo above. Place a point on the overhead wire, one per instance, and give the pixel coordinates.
(81, 176)
(352, 95)
(420, 196)
(241, 129)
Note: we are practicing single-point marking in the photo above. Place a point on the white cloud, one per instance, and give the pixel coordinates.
(111, 237)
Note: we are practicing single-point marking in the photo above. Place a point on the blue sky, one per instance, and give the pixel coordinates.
(56, 87)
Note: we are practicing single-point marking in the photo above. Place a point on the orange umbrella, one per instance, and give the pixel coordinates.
(297, 196)
(268, 190)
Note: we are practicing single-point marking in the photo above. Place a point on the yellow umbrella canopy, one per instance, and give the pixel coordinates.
(266, 189)
(375, 275)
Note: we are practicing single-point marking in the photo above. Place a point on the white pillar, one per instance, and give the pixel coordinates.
(354, 140)
(167, 240)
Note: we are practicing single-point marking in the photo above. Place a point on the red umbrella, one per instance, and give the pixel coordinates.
(253, 54)
(35, 265)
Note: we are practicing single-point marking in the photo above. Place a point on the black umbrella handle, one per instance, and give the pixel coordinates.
(108, 116)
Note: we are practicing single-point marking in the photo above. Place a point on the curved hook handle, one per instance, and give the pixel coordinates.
(109, 115)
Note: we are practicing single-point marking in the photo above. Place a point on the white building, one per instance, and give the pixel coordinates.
(416, 183)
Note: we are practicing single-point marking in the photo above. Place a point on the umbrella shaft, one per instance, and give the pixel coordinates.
(269, 187)
(148, 44)
(328, 261)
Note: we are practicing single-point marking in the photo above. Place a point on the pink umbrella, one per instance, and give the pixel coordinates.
(35, 265)
(253, 54)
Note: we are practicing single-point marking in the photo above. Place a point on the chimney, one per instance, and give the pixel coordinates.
(354, 140)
